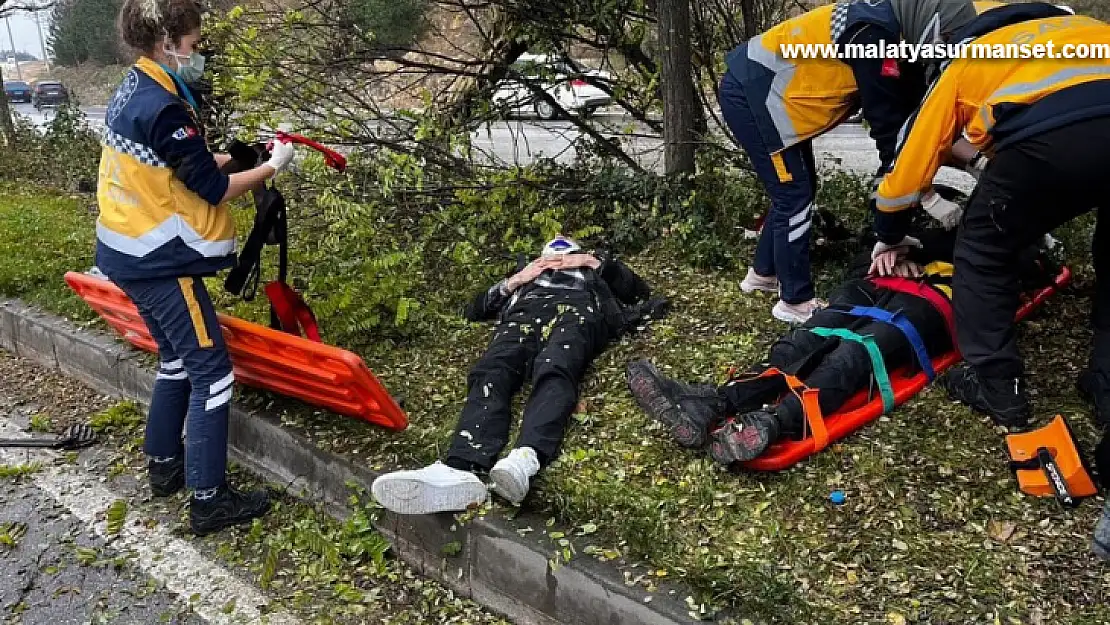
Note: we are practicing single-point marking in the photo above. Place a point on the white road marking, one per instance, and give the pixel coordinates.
(223, 599)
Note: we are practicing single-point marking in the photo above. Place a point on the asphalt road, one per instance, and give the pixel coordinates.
(95, 114)
(60, 563)
(60, 573)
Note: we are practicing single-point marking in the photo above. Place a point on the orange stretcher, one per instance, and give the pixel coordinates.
(820, 430)
(284, 363)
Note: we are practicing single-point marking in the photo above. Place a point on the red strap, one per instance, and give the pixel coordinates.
(332, 159)
(920, 289)
(890, 69)
(292, 312)
(811, 407)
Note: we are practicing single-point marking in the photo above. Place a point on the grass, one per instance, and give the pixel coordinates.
(42, 236)
(933, 530)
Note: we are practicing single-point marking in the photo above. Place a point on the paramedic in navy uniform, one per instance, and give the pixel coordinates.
(164, 224)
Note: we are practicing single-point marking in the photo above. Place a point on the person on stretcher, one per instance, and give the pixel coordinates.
(554, 316)
(834, 352)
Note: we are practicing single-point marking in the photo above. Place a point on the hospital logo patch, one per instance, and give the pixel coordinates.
(185, 132)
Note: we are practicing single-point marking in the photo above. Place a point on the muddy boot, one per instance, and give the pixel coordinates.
(744, 438)
(688, 410)
(167, 475)
(216, 508)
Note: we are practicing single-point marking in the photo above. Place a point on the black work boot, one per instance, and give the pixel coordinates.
(1003, 400)
(226, 508)
(688, 410)
(1094, 389)
(744, 438)
(166, 478)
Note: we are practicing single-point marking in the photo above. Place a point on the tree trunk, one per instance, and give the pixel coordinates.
(7, 128)
(680, 100)
(751, 20)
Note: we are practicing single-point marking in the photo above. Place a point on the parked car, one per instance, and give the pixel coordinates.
(17, 91)
(49, 93)
(565, 84)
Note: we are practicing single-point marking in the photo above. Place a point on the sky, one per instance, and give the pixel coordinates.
(24, 33)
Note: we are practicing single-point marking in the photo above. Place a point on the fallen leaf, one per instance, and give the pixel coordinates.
(1001, 531)
(894, 618)
(899, 545)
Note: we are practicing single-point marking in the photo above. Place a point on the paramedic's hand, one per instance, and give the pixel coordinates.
(908, 269)
(884, 258)
(281, 154)
(529, 273)
(945, 212)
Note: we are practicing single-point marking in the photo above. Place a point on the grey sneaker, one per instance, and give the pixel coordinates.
(1101, 544)
(755, 282)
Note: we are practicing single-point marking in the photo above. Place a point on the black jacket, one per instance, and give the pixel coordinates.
(622, 295)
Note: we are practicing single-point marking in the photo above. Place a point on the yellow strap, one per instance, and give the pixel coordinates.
(780, 168)
(195, 313)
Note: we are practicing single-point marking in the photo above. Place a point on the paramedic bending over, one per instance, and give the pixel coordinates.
(164, 225)
(775, 106)
(1047, 124)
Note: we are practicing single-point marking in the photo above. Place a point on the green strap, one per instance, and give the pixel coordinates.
(878, 367)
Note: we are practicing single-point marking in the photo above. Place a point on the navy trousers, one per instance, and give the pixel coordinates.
(790, 178)
(195, 381)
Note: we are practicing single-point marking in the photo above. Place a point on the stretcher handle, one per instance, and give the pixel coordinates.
(1046, 463)
(332, 159)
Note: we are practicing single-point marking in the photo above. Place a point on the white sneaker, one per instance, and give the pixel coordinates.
(435, 488)
(797, 313)
(511, 474)
(755, 282)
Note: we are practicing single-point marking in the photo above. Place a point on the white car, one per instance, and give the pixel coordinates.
(562, 82)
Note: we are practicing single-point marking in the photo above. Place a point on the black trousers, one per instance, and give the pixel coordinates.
(839, 368)
(1028, 189)
(552, 335)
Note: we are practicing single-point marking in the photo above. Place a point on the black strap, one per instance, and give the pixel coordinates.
(270, 219)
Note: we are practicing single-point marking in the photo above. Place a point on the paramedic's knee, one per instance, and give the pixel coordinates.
(210, 374)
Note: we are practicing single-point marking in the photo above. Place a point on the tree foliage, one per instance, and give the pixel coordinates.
(83, 31)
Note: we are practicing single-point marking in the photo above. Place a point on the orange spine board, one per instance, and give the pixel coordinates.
(318, 374)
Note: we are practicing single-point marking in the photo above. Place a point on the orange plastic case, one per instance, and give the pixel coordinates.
(1056, 438)
(315, 373)
(859, 411)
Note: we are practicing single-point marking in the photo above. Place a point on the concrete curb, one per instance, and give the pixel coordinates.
(496, 566)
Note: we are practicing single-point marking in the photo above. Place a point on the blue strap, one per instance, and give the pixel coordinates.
(898, 320)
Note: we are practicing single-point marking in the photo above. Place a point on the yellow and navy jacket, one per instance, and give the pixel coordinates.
(793, 100)
(996, 102)
(159, 188)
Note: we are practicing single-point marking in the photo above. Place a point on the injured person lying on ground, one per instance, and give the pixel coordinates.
(871, 326)
(554, 316)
